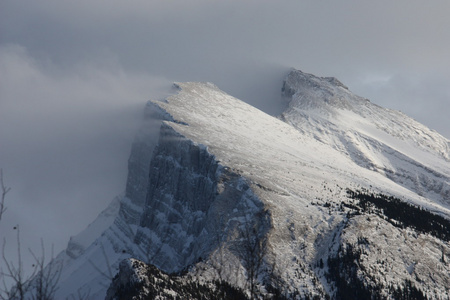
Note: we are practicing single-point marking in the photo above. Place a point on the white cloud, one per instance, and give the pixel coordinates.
(65, 137)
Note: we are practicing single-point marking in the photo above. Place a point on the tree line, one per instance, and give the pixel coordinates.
(402, 214)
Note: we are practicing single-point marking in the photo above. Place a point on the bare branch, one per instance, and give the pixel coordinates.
(108, 275)
(5, 190)
(40, 284)
(43, 280)
(253, 251)
(80, 295)
(15, 272)
(45, 283)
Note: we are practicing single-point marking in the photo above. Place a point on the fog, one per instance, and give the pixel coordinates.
(75, 76)
(65, 137)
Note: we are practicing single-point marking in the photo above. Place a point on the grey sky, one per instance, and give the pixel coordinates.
(75, 74)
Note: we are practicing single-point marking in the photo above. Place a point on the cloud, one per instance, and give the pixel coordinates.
(65, 138)
(213, 41)
(75, 74)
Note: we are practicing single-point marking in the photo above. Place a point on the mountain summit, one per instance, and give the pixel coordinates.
(335, 198)
(382, 140)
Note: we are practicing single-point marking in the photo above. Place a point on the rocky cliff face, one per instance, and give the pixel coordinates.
(227, 193)
(191, 202)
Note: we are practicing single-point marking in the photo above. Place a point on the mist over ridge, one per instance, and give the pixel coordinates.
(75, 77)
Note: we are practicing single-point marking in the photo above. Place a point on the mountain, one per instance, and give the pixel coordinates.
(382, 140)
(137, 280)
(336, 198)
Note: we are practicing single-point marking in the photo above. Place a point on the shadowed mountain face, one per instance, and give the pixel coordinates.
(224, 192)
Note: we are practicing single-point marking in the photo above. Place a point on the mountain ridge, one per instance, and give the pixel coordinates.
(374, 137)
(283, 180)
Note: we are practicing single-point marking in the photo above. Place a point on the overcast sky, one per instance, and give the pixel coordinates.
(75, 75)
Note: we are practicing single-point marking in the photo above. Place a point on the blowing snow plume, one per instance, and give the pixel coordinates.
(65, 137)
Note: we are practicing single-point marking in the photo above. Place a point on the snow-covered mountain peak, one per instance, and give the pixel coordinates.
(224, 191)
(311, 92)
(326, 100)
(376, 138)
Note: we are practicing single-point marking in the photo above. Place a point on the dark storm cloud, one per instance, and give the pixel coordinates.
(75, 73)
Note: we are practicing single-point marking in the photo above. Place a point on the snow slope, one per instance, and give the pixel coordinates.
(379, 139)
(222, 168)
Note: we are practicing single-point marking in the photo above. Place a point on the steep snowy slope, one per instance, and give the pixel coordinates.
(234, 194)
(376, 138)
